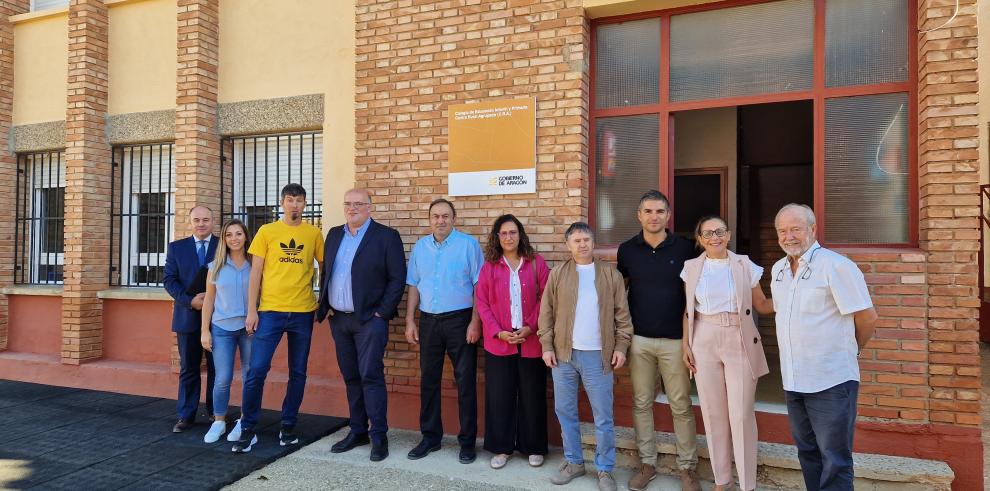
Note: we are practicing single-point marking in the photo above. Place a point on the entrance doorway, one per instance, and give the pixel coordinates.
(743, 163)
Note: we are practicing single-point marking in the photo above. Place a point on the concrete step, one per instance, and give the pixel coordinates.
(779, 467)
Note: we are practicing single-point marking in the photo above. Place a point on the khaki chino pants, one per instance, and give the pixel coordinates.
(650, 358)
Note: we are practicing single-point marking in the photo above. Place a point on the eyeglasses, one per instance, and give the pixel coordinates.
(707, 234)
(508, 233)
(355, 204)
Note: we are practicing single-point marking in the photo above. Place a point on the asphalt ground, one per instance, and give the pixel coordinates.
(75, 439)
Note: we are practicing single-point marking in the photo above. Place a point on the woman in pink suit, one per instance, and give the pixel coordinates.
(722, 348)
(507, 296)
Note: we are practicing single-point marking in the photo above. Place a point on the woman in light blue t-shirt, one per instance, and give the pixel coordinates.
(224, 312)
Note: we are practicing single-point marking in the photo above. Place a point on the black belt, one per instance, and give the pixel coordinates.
(445, 315)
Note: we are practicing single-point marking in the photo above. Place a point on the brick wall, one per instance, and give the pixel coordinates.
(8, 161)
(88, 174)
(197, 145)
(414, 59)
(949, 192)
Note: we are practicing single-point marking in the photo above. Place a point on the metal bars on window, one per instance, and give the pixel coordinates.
(255, 168)
(142, 215)
(39, 239)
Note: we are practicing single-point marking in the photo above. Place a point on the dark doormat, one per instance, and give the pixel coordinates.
(76, 439)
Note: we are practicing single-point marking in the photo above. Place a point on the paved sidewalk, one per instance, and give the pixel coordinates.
(314, 467)
(76, 439)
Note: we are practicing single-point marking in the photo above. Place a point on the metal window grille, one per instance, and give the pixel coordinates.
(142, 216)
(39, 218)
(256, 167)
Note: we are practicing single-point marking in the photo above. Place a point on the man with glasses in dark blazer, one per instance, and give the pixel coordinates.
(186, 262)
(363, 277)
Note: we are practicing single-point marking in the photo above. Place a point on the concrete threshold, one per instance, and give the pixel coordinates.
(314, 467)
(779, 467)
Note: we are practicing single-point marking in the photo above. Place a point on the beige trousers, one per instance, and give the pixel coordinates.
(727, 391)
(650, 358)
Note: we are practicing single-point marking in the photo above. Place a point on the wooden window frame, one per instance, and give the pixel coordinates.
(819, 93)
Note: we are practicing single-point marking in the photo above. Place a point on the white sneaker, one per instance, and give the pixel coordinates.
(216, 431)
(235, 434)
(535, 460)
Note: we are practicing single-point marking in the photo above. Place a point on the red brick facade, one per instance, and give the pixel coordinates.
(414, 61)
(8, 161)
(88, 173)
(950, 228)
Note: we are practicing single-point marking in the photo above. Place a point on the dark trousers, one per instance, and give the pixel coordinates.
(360, 355)
(298, 327)
(439, 335)
(822, 424)
(190, 378)
(515, 405)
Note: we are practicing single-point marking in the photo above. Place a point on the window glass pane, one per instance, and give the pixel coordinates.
(866, 169)
(151, 222)
(627, 164)
(51, 219)
(263, 164)
(48, 4)
(865, 42)
(627, 63)
(754, 49)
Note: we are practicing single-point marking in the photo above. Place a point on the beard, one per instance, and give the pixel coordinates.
(795, 250)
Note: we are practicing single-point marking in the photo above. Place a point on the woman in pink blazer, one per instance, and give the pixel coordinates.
(507, 297)
(722, 348)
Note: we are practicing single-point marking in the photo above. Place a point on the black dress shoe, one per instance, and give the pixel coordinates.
(423, 449)
(379, 451)
(182, 425)
(349, 442)
(467, 455)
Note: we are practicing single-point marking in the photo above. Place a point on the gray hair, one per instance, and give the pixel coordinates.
(579, 227)
(809, 214)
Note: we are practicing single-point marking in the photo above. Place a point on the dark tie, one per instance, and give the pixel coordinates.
(201, 252)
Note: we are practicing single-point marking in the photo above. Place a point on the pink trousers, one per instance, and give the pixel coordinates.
(727, 390)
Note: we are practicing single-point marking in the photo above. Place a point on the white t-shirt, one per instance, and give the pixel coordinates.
(716, 291)
(816, 332)
(587, 332)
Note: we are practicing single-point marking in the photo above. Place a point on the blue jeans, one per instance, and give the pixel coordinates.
(298, 327)
(585, 367)
(225, 344)
(822, 424)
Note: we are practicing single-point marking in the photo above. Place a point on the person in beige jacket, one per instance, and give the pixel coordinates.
(585, 331)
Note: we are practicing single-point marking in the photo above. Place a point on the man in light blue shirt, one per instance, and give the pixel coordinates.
(342, 296)
(443, 269)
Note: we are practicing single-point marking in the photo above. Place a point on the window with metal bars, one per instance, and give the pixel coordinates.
(255, 168)
(39, 218)
(143, 216)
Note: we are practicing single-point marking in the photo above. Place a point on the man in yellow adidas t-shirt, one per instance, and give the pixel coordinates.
(282, 270)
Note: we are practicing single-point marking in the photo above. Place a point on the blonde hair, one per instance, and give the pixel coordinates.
(222, 253)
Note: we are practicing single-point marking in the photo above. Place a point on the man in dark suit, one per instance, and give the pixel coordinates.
(185, 282)
(364, 274)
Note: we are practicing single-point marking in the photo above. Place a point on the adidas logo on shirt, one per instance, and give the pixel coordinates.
(291, 250)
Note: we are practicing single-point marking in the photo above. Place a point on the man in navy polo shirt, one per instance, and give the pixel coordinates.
(652, 262)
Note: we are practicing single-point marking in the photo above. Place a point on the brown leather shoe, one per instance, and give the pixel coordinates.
(641, 479)
(689, 480)
(181, 426)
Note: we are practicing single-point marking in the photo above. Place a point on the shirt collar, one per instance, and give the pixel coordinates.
(640, 239)
(230, 262)
(446, 241)
(360, 230)
(806, 257)
(197, 240)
